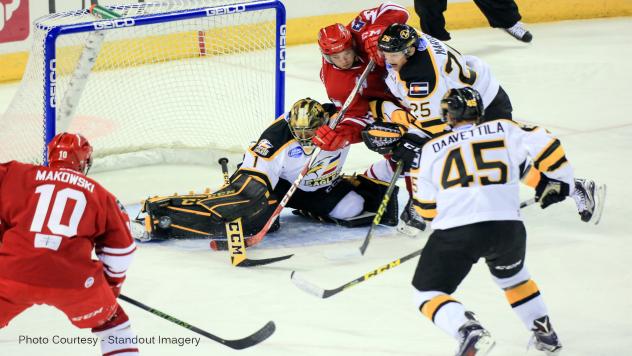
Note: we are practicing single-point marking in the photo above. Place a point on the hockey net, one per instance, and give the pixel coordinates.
(178, 88)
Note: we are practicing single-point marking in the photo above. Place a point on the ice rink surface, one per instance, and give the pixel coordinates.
(573, 79)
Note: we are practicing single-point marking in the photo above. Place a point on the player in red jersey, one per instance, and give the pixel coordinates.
(346, 52)
(52, 219)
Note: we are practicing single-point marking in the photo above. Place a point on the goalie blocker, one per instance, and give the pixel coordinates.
(250, 196)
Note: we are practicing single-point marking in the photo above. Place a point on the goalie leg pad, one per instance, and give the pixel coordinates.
(179, 217)
(373, 190)
(246, 195)
(204, 215)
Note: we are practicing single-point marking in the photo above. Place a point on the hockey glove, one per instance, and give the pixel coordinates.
(408, 150)
(382, 137)
(370, 37)
(550, 191)
(332, 140)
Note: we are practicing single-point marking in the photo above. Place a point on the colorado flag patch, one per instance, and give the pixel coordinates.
(418, 89)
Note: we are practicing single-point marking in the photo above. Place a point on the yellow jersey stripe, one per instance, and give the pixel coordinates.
(432, 306)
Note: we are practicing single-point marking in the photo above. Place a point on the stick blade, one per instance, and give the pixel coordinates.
(261, 262)
(260, 335)
(601, 201)
(307, 286)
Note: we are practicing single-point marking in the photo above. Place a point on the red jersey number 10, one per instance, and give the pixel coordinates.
(53, 216)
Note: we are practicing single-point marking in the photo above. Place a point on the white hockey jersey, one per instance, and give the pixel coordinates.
(279, 156)
(430, 72)
(472, 174)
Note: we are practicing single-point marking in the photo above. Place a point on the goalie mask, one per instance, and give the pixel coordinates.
(71, 151)
(306, 116)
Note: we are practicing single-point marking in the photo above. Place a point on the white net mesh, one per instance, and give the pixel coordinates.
(157, 92)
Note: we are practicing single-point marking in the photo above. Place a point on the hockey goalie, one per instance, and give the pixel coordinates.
(269, 168)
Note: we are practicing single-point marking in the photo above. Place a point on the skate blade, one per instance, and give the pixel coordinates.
(601, 202)
(408, 230)
(484, 345)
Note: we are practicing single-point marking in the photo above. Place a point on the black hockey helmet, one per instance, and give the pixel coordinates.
(397, 38)
(462, 104)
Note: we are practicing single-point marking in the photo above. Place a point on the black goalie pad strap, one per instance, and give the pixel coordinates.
(382, 137)
(247, 195)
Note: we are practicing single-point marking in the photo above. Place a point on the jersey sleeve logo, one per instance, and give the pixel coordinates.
(263, 148)
(357, 24)
(526, 127)
(418, 89)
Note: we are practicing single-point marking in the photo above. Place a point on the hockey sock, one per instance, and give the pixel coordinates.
(526, 301)
(444, 311)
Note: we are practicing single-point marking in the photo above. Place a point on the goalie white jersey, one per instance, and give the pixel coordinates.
(279, 156)
(472, 173)
(430, 72)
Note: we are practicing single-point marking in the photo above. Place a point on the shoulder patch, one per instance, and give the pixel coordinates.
(419, 74)
(526, 127)
(417, 89)
(263, 147)
(357, 24)
(295, 152)
(274, 138)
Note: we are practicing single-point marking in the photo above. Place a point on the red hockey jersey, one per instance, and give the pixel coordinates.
(51, 220)
(339, 83)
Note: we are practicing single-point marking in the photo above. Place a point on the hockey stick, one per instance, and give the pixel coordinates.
(326, 293)
(332, 124)
(234, 231)
(376, 220)
(527, 202)
(238, 344)
(382, 208)
(235, 236)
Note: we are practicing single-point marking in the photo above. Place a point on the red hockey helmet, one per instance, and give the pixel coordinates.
(334, 38)
(71, 151)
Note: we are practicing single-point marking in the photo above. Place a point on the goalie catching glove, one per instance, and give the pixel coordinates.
(382, 137)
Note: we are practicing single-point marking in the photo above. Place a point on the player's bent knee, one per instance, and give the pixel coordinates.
(350, 206)
(420, 298)
(518, 278)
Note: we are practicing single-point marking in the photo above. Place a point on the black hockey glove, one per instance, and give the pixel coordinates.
(408, 150)
(382, 137)
(550, 191)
